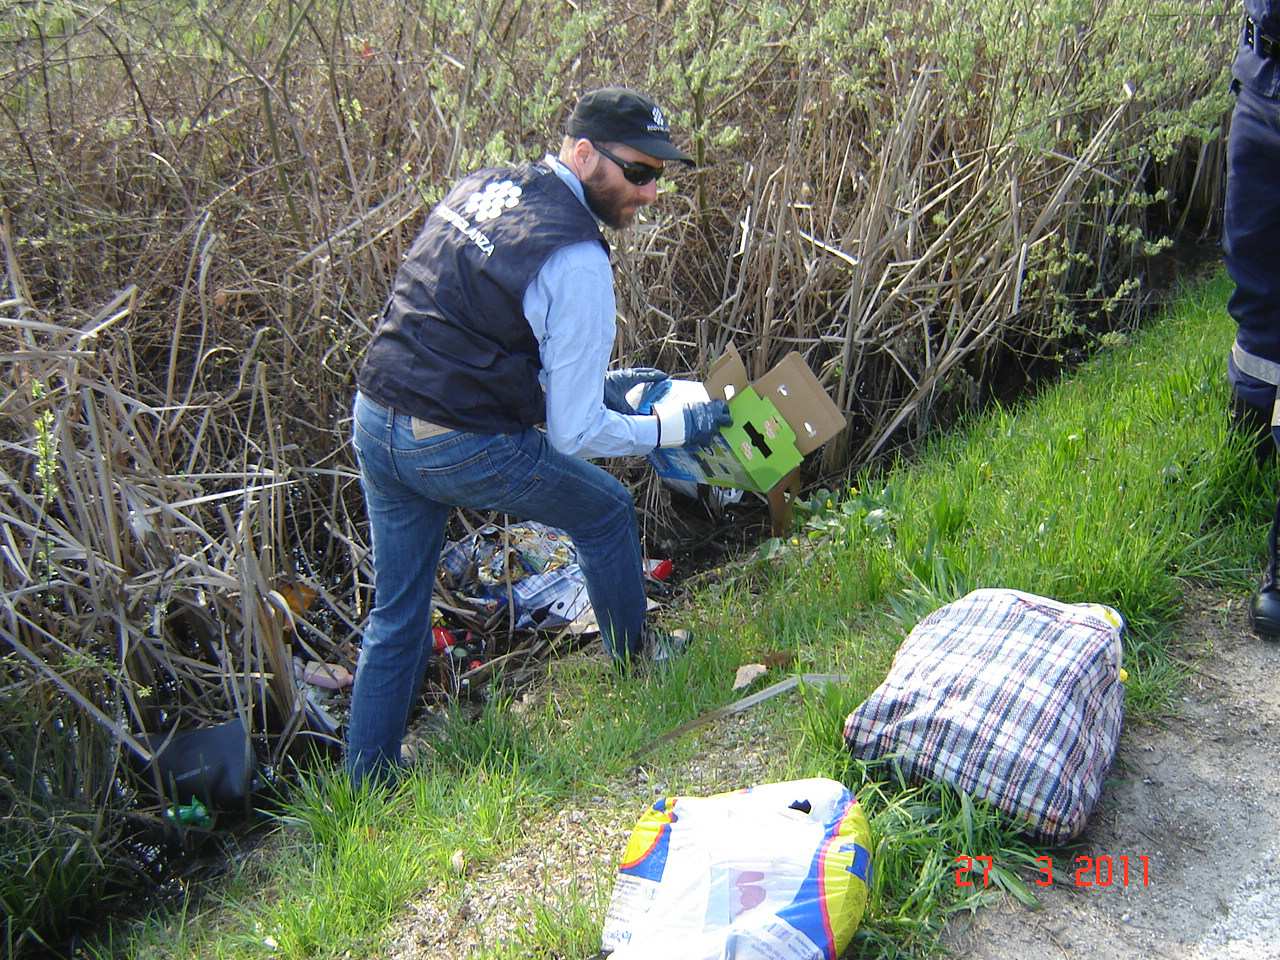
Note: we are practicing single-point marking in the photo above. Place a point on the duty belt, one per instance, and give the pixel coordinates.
(1263, 45)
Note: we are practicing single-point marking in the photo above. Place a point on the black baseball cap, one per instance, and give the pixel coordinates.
(619, 115)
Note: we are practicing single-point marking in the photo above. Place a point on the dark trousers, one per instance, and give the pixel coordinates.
(1251, 247)
(1251, 236)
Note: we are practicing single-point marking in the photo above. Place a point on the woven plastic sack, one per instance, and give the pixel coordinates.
(778, 871)
(1013, 698)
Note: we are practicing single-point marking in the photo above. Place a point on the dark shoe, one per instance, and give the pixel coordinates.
(1264, 612)
(661, 647)
(658, 650)
(1254, 424)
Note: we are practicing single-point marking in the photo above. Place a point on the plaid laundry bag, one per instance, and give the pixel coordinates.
(1013, 698)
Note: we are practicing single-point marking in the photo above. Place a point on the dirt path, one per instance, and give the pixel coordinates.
(1199, 796)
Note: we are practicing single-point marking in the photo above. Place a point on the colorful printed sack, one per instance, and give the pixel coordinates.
(778, 871)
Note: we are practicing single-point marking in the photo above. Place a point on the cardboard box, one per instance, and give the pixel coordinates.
(777, 420)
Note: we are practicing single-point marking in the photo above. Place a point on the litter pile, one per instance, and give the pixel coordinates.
(505, 598)
(527, 572)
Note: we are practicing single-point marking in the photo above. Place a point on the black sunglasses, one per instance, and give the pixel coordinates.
(641, 174)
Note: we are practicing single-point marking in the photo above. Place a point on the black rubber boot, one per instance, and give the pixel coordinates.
(1264, 612)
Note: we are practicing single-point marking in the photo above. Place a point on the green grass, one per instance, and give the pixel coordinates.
(1119, 484)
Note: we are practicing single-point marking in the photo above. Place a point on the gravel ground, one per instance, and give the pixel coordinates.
(1197, 795)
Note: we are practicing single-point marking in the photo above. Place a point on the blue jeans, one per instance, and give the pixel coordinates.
(409, 487)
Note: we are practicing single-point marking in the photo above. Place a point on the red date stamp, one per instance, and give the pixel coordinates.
(1102, 870)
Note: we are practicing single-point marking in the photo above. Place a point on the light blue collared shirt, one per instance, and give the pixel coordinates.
(570, 307)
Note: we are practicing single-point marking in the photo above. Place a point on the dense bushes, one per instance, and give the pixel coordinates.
(203, 205)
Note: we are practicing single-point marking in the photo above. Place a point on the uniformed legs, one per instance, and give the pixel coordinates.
(1251, 246)
(410, 486)
(1251, 240)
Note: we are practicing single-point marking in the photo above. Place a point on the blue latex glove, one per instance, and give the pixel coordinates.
(702, 421)
(618, 382)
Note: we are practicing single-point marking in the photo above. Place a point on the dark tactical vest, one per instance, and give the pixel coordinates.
(453, 345)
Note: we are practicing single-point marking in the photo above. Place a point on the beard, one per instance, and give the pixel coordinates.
(609, 202)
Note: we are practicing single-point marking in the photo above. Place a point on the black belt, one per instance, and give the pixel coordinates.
(1263, 45)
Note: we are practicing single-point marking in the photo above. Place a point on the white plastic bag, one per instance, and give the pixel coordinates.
(775, 872)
